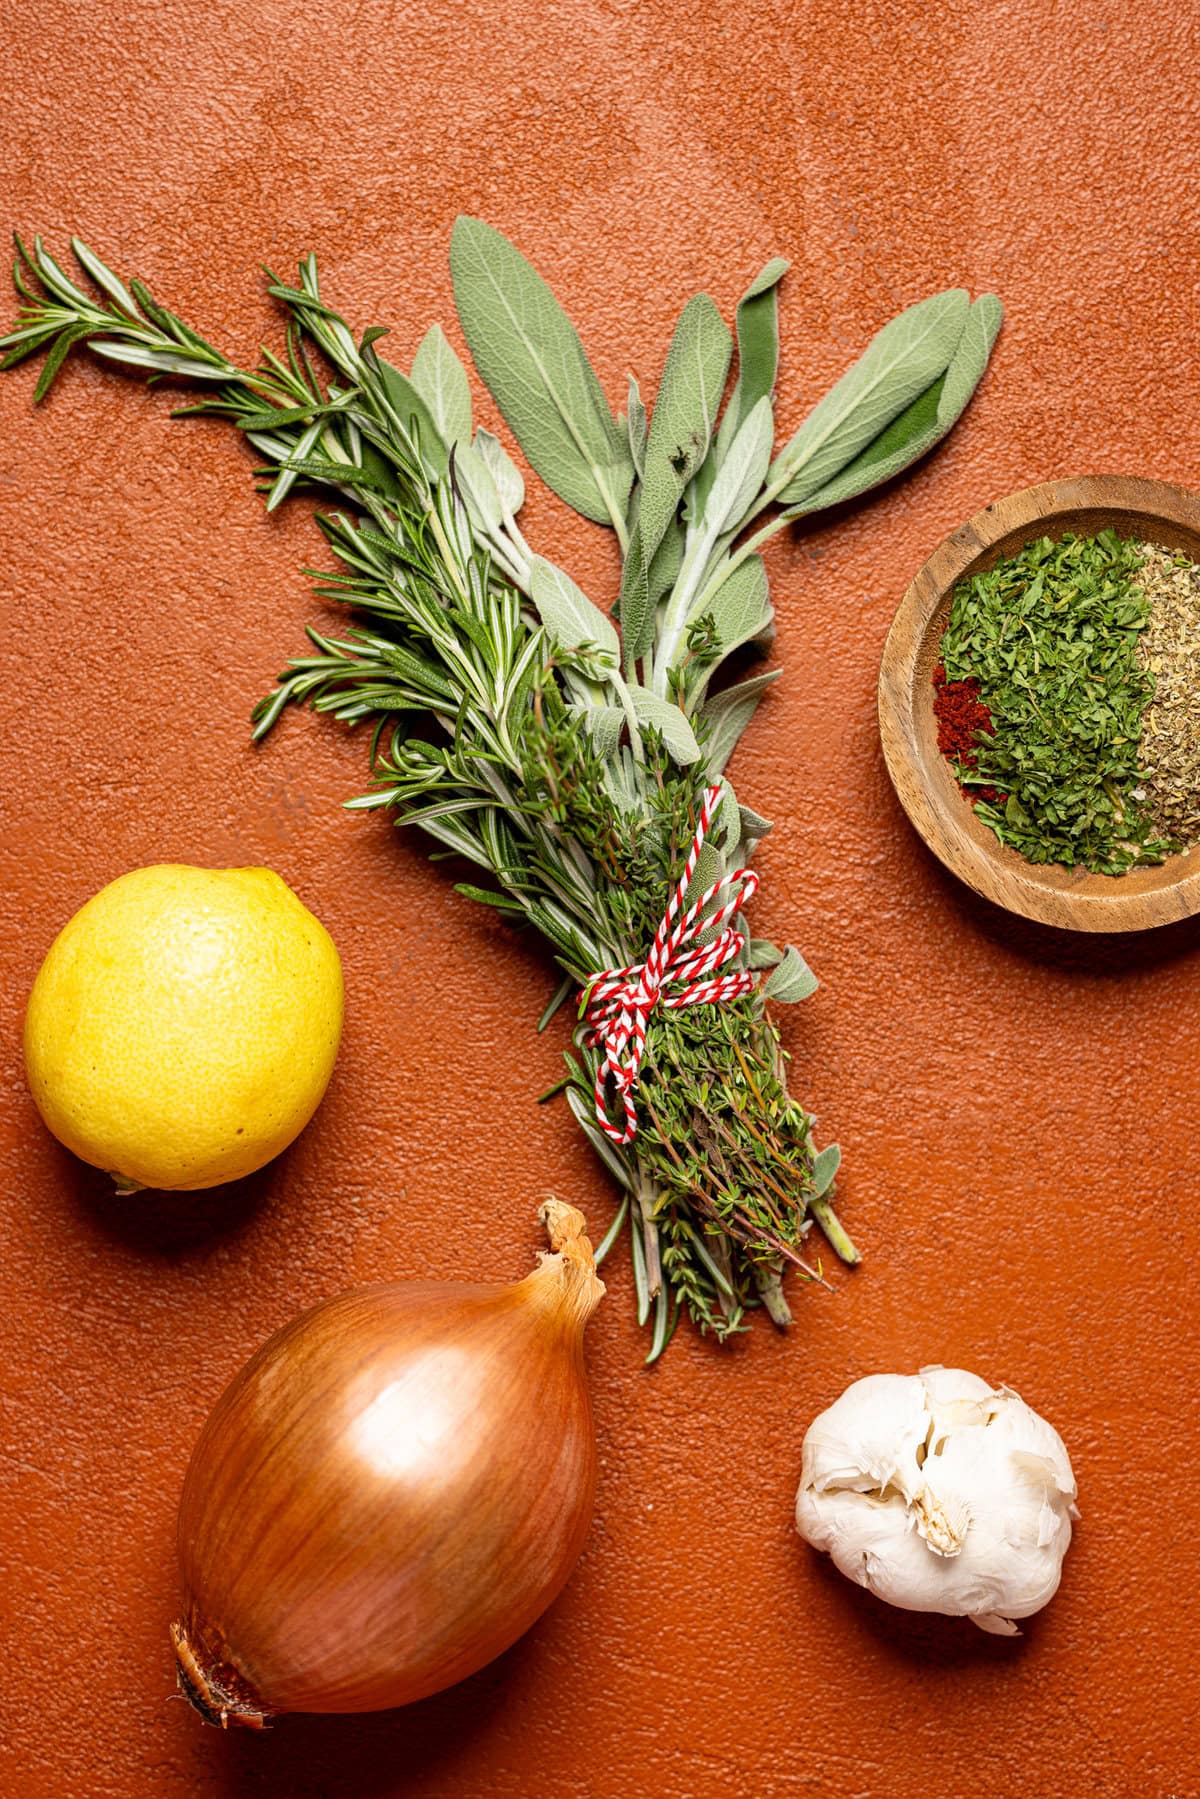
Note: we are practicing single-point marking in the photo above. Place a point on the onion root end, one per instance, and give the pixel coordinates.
(213, 1691)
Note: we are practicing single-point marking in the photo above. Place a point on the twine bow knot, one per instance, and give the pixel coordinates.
(618, 1001)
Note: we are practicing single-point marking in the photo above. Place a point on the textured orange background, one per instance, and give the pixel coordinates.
(1017, 1108)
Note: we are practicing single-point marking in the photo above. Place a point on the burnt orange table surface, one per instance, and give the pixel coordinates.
(1017, 1109)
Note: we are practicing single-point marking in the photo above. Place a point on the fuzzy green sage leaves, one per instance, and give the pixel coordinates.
(900, 397)
(530, 356)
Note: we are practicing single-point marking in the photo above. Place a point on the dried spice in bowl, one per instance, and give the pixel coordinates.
(1169, 648)
(1067, 700)
(962, 718)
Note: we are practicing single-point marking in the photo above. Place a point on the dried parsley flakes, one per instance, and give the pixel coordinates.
(1052, 637)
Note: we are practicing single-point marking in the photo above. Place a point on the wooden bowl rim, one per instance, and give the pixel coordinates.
(1000, 874)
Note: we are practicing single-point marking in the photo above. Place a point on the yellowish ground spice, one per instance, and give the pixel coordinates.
(1169, 750)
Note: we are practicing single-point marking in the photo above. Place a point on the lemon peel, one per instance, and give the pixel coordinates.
(183, 1027)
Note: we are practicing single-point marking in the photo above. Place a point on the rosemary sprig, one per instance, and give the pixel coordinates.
(511, 719)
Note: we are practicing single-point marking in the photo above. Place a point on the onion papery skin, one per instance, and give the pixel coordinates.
(389, 1493)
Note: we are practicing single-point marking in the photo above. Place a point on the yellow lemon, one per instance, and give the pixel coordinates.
(184, 1025)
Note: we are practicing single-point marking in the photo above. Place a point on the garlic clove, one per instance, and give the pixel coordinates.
(870, 1439)
(954, 1399)
(874, 1542)
(953, 1386)
(1031, 1437)
(942, 1523)
(1003, 1562)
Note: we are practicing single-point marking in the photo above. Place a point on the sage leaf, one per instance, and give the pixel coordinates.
(672, 725)
(635, 603)
(757, 326)
(621, 784)
(569, 616)
(441, 380)
(926, 421)
(639, 593)
(971, 358)
(664, 567)
(504, 472)
(726, 716)
(685, 413)
(529, 354)
(741, 608)
(764, 954)
(825, 1166)
(605, 724)
(741, 613)
(710, 868)
(728, 818)
(897, 366)
(740, 476)
(681, 428)
(635, 425)
(753, 827)
(790, 981)
(478, 488)
(667, 561)
(410, 408)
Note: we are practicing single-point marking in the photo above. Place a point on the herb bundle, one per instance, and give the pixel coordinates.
(1048, 643)
(560, 748)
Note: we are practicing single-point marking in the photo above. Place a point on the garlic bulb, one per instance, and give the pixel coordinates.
(940, 1494)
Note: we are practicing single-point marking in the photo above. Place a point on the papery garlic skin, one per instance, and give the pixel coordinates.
(940, 1493)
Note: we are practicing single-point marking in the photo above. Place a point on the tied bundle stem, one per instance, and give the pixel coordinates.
(618, 1002)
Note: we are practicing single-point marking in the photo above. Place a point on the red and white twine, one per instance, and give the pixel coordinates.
(619, 1001)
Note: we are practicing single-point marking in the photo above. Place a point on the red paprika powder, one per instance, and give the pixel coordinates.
(962, 718)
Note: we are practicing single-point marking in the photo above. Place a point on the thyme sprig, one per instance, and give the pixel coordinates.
(525, 730)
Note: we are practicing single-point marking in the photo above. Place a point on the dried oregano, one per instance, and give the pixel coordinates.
(1169, 649)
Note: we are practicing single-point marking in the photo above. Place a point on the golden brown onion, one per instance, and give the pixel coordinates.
(390, 1492)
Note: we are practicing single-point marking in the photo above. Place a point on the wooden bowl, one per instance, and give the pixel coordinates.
(1068, 897)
